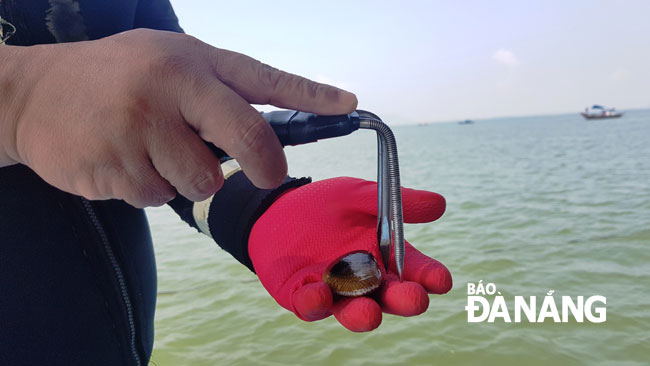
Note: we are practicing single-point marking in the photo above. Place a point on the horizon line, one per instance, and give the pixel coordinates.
(510, 116)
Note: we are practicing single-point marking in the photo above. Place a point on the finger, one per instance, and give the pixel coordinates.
(223, 118)
(313, 301)
(428, 272)
(262, 84)
(422, 206)
(182, 158)
(142, 186)
(358, 314)
(418, 206)
(404, 298)
(130, 177)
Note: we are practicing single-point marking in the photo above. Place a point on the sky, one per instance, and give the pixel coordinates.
(429, 61)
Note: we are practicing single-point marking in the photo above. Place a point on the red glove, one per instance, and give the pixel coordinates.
(310, 228)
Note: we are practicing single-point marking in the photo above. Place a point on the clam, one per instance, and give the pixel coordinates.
(356, 274)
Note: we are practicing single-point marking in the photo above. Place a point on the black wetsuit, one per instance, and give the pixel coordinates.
(78, 278)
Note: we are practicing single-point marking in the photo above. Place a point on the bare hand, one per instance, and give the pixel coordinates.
(123, 117)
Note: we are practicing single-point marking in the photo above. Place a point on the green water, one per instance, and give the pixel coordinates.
(534, 204)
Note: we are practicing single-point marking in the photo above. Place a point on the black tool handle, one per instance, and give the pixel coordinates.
(296, 128)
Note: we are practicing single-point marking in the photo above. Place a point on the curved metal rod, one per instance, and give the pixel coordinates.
(384, 215)
(390, 221)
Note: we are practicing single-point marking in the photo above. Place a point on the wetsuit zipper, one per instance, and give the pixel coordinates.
(90, 211)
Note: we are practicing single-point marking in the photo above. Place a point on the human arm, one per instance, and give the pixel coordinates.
(12, 74)
(121, 117)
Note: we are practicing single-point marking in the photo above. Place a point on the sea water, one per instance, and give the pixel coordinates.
(533, 204)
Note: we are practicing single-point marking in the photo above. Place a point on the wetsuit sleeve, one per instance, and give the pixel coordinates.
(156, 14)
(228, 216)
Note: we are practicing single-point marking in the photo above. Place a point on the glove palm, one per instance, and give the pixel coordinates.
(310, 228)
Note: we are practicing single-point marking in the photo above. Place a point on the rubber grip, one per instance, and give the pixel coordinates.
(297, 128)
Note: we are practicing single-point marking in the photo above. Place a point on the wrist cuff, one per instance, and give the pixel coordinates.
(201, 210)
(228, 216)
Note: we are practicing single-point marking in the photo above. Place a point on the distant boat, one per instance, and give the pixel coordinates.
(600, 112)
(466, 122)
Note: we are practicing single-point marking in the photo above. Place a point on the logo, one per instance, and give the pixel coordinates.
(485, 303)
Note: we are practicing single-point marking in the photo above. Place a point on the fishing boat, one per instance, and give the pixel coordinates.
(466, 122)
(600, 112)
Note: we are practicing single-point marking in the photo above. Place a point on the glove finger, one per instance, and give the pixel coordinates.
(406, 298)
(428, 272)
(313, 301)
(358, 314)
(422, 206)
(418, 206)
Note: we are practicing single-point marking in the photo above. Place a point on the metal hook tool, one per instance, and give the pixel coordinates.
(390, 220)
(296, 128)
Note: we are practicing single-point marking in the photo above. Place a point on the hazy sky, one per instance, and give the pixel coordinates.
(413, 61)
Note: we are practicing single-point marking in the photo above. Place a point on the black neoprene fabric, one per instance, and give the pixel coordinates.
(61, 299)
(236, 207)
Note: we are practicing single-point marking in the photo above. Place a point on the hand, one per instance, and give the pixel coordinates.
(310, 228)
(123, 117)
